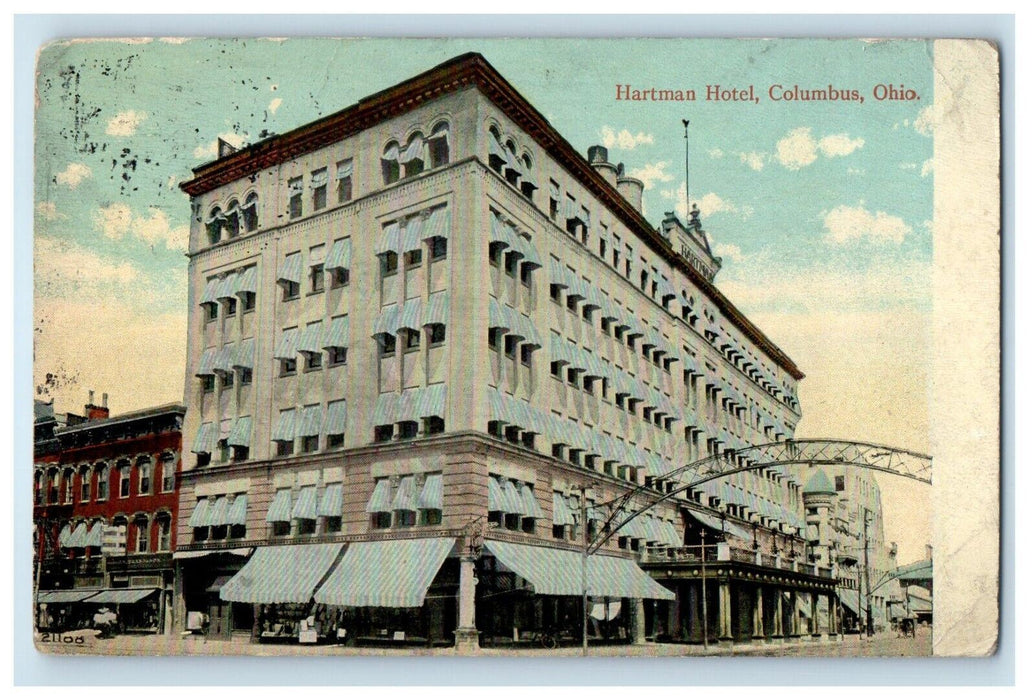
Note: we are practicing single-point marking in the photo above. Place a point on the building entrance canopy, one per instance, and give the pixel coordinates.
(281, 574)
(65, 596)
(559, 572)
(385, 574)
(121, 596)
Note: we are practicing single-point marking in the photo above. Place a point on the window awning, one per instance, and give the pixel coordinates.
(385, 574)
(121, 596)
(497, 502)
(336, 334)
(78, 536)
(530, 506)
(385, 409)
(238, 510)
(289, 345)
(291, 269)
(218, 512)
(563, 515)
(849, 600)
(431, 493)
(309, 420)
(409, 316)
(559, 572)
(411, 237)
(340, 255)
(311, 339)
(205, 440)
(241, 433)
(63, 536)
(709, 521)
(421, 402)
(438, 224)
(200, 514)
(94, 536)
(66, 596)
(207, 364)
(285, 428)
(381, 499)
(228, 286)
(280, 507)
(331, 501)
(386, 321)
(281, 574)
(245, 356)
(208, 295)
(437, 310)
(389, 241)
(334, 419)
(246, 281)
(406, 494)
(306, 506)
(512, 500)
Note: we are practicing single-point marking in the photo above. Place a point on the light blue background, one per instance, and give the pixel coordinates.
(34, 668)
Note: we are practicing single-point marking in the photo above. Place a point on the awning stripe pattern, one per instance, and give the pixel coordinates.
(285, 428)
(241, 433)
(200, 514)
(305, 507)
(205, 440)
(311, 338)
(120, 596)
(406, 495)
(245, 355)
(288, 346)
(331, 501)
(309, 420)
(431, 493)
(340, 255)
(336, 333)
(281, 574)
(280, 507)
(381, 499)
(291, 269)
(237, 513)
(559, 572)
(335, 418)
(385, 574)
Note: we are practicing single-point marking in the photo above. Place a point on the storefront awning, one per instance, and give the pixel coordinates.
(559, 572)
(120, 596)
(385, 574)
(198, 554)
(848, 599)
(65, 596)
(281, 574)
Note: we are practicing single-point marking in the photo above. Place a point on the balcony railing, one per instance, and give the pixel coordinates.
(722, 552)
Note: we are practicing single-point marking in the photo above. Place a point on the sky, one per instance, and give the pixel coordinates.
(821, 211)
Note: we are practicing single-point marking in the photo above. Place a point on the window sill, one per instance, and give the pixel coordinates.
(314, 292)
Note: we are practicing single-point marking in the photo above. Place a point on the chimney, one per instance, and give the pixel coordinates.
(632, 189)
(928, 552)
(95, 412)
(598, 157)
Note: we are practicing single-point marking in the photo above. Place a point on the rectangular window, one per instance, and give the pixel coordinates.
(291, 290)
(248, 301)
(314, 361)
(494, 339)
(310, 443)
(436, 334)
(339, 277)
(526, 355)
(603, 248)
(208, 383)
(295, 199)
(383, 433)
(389, 263)
(407, 430)
(554, 190)
(335, 441)
(412, 339)
(387, 344)
(211, 311)
(316, 278)
(289, 367)
(124, 482)
(144, 476)
(381, 521)
(412, 258)
(439, 248)
(319, 185)
(230, 307)
(337, 356)
(226, 380)
(344, 171)
(246, 376)
(525, 274)
(285, 448)
(555, 293)
(510, 342)
(84, 485)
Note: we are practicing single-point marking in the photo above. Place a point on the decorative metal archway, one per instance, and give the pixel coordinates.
(774, 456)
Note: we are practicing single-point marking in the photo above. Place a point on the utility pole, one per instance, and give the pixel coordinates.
(586, 555)
(867, 574)
(704, 597)
(687, 170)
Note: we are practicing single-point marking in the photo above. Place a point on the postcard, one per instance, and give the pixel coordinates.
(611, 347)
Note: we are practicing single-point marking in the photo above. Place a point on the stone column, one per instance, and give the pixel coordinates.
(757, 617)
(725, 636)
(814, 620)
(778, 617)
(637, 612)
(466, 636)
(795, 630)
(832, 617)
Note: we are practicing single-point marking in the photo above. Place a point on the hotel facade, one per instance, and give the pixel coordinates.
(430, 344)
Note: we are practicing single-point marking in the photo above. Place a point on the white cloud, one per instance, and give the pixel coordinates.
(708, 204)
(211, 149)
(57, 264)
(125, 123)
(652, 173)
(715, 153)
(624, 140)
(928, 167)
(729, 252)
(799, 148)
(117, 220)
(174, 39)
(73, 174)
(845, 224)
(754, 160)
(48, 211)
(839, 145)
(275, 104)
(712, 203)
(925, 121)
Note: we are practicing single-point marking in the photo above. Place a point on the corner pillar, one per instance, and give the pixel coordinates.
(757, 617)
(725, 636)
(466, 636)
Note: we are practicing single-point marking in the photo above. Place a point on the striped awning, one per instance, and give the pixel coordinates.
(247, 281)
(120, 596)
(280, 507)
(431, 493)
(530, 506)
(208, 295)
(94, 535)
(207, 363)
(281, 574)
(563, 515)
(497, 502)
(559, 572)
(63, 536)
(512, 499)
(305, 507)
(245, 355)
(438, 224)
(217, 514)
(386, 321)
(381, 499)
(228, 286)
(390, 239)
(311, 339)
(77, 538)
(291, 269)
(72, 595)
(336, 333)
(437, 310)
(385, 409)
(331, 501)
(406, 494)
(241, 432)
(200, 514)
(334, 419)
(285, 428)
(422, 402)
(340, 255)
(385, 574)
(237, 513)
(288, 346)
(707, 519)
(411, 236)
(409, 316)
(205, 440)
(309, 420)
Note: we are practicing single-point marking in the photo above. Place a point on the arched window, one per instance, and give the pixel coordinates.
(84, 483)
(140, 533)
(439, 145)
(124, 478)
(412, 158)
(69, 484)
(144, 476)
(103, 480)
(53, 486)
(390, 163)
(164, 524)
(214, 224)
(168, 472)
(233, 219)
(250, 212)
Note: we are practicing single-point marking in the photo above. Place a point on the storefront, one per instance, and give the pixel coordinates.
(201, 610)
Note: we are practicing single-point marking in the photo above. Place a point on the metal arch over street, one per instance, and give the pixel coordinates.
(772, 455)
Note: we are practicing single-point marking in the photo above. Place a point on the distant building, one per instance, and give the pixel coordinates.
(99, 471)
(418, 328)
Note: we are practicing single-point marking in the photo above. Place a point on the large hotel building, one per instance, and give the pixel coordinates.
(430, 344)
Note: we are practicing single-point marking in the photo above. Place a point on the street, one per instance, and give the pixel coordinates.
(886, 645)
